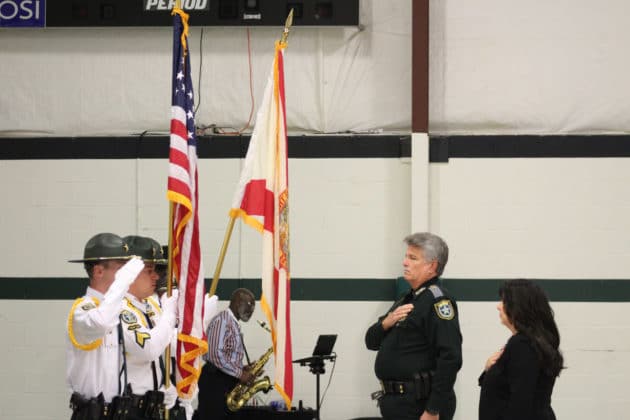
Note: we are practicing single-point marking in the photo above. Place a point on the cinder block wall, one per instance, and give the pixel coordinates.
(540, 218)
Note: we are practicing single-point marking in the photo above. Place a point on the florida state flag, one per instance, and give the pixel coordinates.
(262, 201)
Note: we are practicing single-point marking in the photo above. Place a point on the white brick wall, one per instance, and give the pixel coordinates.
(541, 218)
(593, 386)
(501, 218)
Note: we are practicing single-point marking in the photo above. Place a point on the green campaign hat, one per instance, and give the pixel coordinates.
(146, 248)
(105, 246)
(161, 257)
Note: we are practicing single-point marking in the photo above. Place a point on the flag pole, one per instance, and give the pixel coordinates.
(217, 270)
(287, 27)
(169, 293)
(169, 286)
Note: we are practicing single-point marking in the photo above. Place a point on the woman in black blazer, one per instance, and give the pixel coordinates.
(518, 380)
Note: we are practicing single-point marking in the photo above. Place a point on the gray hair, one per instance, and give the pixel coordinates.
(433, 248)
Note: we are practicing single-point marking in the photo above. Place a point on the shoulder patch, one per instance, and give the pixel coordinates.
(444, 309)
(437, 292)
(128, 317)
(88, 306)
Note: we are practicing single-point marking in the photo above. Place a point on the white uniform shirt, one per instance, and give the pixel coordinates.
(144, 344)
(93, 368)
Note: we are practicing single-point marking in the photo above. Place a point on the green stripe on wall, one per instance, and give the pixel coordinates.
(565, 290)
(464, 290)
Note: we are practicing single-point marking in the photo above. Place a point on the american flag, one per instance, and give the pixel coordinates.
(182, 192)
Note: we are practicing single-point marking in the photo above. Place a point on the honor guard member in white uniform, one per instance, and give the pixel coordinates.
(94, 357)
(183, 409)
(148, 328)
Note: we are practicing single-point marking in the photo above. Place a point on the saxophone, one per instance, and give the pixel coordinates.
(244, 392)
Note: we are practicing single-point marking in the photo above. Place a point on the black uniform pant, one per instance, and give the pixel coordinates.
(214, 386)
(407, 407)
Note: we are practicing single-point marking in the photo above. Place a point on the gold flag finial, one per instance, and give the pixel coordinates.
(178, 4)
(287, 27)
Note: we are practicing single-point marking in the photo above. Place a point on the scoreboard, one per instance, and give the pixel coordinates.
(103, 13)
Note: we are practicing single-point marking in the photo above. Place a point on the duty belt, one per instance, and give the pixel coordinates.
(420, 386)
(89, 408)
(147, 406)
(398, 387)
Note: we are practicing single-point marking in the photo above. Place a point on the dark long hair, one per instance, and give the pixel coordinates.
(528, 309)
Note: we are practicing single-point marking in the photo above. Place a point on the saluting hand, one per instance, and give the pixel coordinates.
(396, 315)
(493, 359)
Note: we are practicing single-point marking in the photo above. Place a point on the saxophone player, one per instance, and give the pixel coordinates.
(224, 367)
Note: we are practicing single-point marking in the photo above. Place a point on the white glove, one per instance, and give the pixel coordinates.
(124, 277)
(187, 404)
(170, 396)
(169, 307)
(209, 310)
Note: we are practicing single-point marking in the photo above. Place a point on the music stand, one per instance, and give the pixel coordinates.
(322, 351)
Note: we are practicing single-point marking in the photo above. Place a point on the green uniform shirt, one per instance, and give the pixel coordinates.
(427, 340)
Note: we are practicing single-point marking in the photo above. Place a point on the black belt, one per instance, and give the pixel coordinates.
(148, 406)
(145, 406)
(398, 387)
(420, 386)
(89, 408)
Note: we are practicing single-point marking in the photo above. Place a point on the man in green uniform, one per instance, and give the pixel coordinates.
(419, 342)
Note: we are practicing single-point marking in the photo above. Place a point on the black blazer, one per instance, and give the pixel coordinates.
(514, 388)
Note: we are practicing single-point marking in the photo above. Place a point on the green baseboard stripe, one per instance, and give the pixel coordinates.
(54, 288)
(464, 290)
(565, 290)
